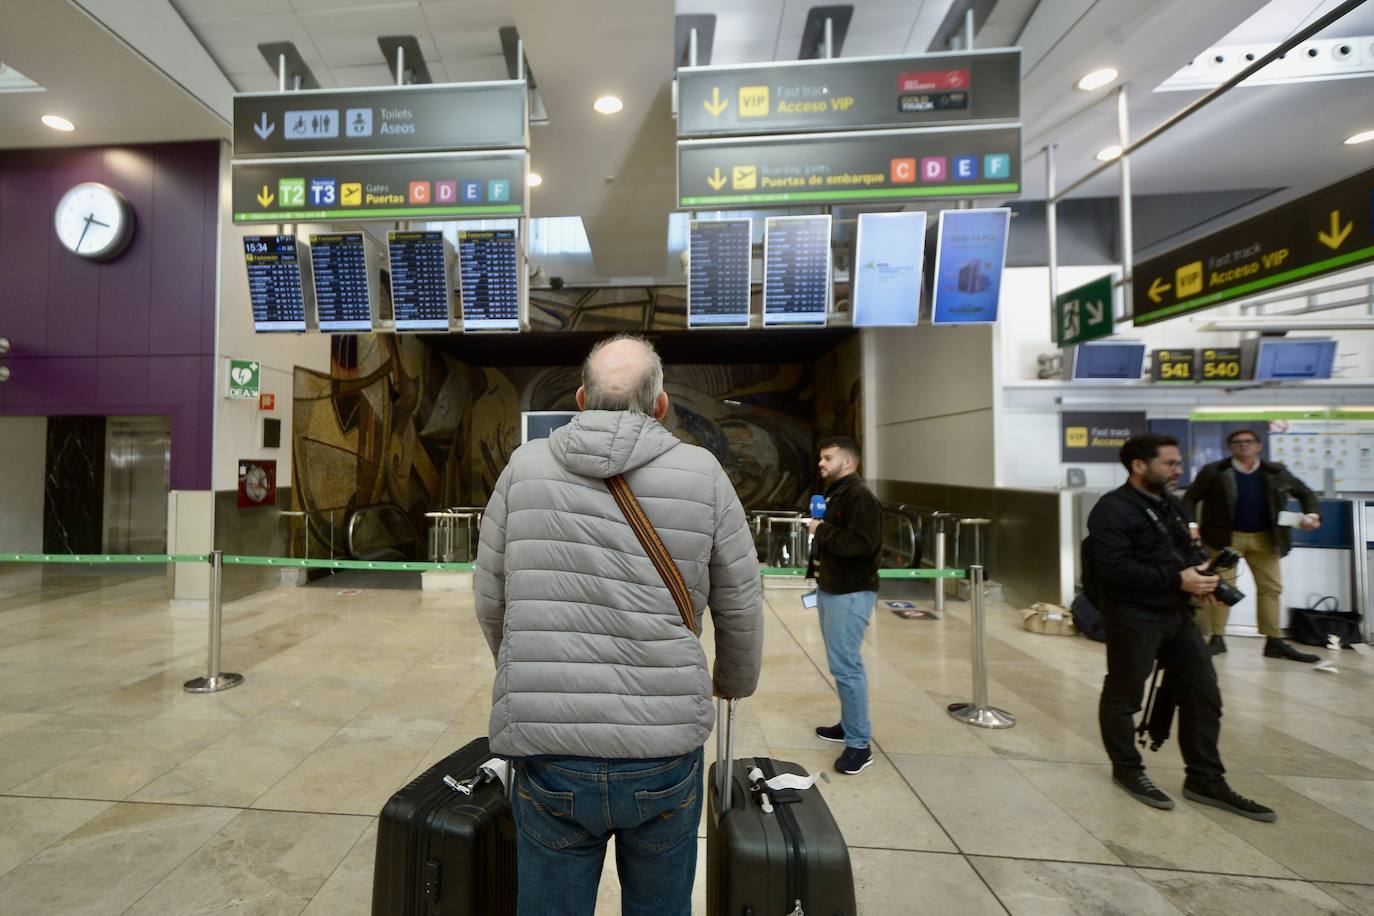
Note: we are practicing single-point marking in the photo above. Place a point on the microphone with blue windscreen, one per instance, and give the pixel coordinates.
(818, 506)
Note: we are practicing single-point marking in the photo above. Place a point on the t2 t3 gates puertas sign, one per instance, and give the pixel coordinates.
(858, 166)
(838, 94)
(419, 186)
(1325, 231)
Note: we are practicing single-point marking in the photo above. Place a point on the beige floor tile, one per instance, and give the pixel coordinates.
(1201, 894)
(916, 883)
(1142, 836)
(264, 863)
(875, 808)
(354, 772)
(1304, 836)
(29, 825)
(14, 721)
(109, 862)
(991, 809)
(1353, 798)
(1359, 898)
(1029, 887)
(418, 702)
(240, 767)
(326, 700)
(348, 892)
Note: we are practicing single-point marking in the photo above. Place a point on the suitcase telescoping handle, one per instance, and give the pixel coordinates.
(725, 749)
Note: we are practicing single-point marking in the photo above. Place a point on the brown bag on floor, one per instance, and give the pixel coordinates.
(1050, 619)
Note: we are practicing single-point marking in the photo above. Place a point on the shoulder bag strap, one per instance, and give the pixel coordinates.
(653, 546)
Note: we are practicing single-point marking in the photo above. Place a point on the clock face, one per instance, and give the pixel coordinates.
(94, 221)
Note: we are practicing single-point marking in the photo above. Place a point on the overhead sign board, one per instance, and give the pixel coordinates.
(844, 94)
(1097, 436)
(403, 119)
(854, 167)
(1328, 230)
(401, 187)
(1173, 365)
(1220, 364)
(1084, 313)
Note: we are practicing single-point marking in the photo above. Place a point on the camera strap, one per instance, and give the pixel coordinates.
(1161, 527)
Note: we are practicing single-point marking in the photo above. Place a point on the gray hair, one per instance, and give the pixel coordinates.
(638, 393)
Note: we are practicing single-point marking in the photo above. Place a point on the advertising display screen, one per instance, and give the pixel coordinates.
(340, 264)
(274, 282)
(796, 270)
(489, 271)
(970, 254)
(419, 281)
(888, 258)
(1295, 359)
(718, 256)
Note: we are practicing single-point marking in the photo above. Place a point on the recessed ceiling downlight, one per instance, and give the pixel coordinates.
(57, 122)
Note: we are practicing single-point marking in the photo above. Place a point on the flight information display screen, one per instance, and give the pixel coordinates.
(340, 265)
(489, 268)
(274, 282)
(419, 281)
(796, 269)
(718, 253)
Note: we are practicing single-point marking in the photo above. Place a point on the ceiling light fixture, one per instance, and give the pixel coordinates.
(58, 123)
(1110, 153)
(1363, 136)
(608, 104)
(533, 181)
(1098, 78)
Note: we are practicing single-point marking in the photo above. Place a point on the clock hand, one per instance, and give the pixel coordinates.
(83, 232)
(92, 219)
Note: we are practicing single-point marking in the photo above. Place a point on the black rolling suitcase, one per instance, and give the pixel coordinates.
(787, 861)
(441, 852)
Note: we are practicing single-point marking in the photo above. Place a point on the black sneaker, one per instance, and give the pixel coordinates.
(830, 733)
(1227, 799)
(1145, 791)
(854, 760)
(1277, 648)
(1216, 645)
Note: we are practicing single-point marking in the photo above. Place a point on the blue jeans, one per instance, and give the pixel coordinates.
(567, 810)
(843, 621)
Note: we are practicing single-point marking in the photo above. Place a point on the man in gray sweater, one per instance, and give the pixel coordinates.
(603, 697)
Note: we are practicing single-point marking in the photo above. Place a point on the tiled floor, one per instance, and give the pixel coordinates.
(119, 793)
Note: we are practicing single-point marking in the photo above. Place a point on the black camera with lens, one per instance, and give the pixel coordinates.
(1225, 592)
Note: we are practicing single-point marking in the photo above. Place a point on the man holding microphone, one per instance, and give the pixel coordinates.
(845, 550)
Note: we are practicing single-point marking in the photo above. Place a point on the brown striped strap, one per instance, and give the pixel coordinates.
(653, 546)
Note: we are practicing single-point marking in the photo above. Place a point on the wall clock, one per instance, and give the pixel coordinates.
(94, 221)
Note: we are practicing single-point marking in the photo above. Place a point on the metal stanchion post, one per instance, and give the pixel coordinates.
(978, 712)
(215, 680)
(939, 519)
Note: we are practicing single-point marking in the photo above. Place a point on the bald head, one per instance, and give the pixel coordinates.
(623, 373)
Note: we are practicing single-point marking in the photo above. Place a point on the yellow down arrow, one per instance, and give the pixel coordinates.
(716, 180)
(717, 104)
(1157, 290)
(265, 197)
(1338, 233)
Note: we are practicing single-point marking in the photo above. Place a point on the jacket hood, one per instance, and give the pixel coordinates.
(603, 443)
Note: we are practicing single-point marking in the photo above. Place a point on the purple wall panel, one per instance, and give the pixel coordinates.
(132, 336)
(25, 192)
(123, 299)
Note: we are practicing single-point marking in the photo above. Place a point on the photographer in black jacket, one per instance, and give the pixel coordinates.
(845, 553)
(1144, 571)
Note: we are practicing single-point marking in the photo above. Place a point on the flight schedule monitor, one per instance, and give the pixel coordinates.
(274, 282)
(796, 269)
(718, 253)
(342, 265)
(419, 281)
(489, 269)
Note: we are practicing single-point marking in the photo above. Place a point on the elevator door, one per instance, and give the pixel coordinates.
(138, 465)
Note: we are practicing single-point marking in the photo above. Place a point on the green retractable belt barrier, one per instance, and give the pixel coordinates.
(799, 572)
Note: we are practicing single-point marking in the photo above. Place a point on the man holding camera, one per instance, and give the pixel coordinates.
(1241, 498)
(1143, 571)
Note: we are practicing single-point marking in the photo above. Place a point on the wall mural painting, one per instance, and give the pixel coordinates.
(397, 429)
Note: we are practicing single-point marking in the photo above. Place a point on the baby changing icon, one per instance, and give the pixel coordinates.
(359, 121)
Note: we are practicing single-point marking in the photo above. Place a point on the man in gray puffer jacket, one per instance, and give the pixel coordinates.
(602, 694)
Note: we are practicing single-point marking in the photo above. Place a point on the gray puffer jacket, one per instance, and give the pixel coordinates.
(592, 657)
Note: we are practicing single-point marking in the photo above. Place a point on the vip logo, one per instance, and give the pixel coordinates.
(1076, 437)
(753, 101)
(1188, 280)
